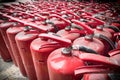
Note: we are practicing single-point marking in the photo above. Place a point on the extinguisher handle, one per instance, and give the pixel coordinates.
(8, 6)
(53, 12)
(100, 22)
(114, 52)
(24, 22)
(91, 69)
(57, 16)
(88, 13)
(116, 36)
(69, 12)
(64, 42)
(77, 31)
(86, 27)
(99, 59)
(43, 18)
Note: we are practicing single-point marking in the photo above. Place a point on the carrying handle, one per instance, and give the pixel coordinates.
(86, 27)
(117, 36)
(114, 52)
(69, 12)
(77, 31)
(95, 58)
(8, 6)
(25, 22)
(57, 16)
(106, 64)
(99, 22)
(88, 13)
(64, 42)
(91, 69)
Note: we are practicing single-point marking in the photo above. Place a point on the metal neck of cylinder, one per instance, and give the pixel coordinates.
(66, 51)
(68, 28)
(100, 27)
(89, 37)
(15, 24)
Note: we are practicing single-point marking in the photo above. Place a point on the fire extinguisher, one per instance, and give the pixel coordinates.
(61, 24)
(106, 65)
(93, 72)
(88, 43)
(23, 40)
(59, 59)
(3, 28)
(4, 53)
(11, 33)
(106, 27)
(4, 50)
(108, 36)
(90, 38)
(40, 53)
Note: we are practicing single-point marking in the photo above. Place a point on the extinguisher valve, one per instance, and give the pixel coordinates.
(27, 28)
(68, 28)
(15, 24)
(86, 27)
(66, 51)
(89, 37)
(100, 27)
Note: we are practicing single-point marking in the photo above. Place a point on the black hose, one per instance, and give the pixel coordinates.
(116, 29)
(88, 50)
(109, 41)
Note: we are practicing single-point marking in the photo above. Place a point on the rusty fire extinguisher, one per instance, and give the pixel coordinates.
(11, 33)
(3, 28)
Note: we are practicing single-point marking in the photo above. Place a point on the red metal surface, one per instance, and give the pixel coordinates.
(93, 43)
(68, 35)
(11, 33)
(97, 76)
(23, 40)
(3, 28)
(61, 67)
(40, 56)
(58, 62)
(118, 44)
(4, 50)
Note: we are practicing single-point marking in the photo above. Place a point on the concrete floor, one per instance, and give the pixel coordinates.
(8, 71)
